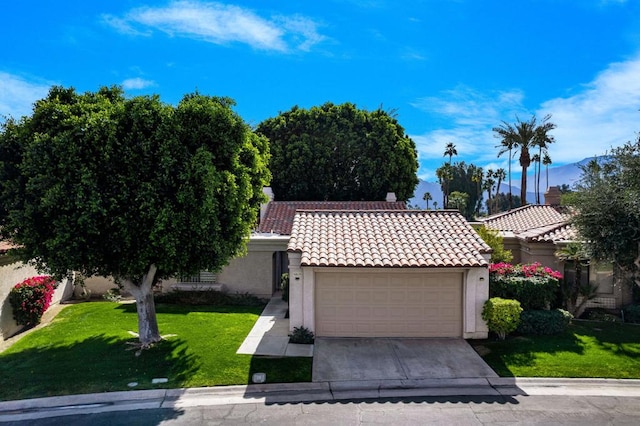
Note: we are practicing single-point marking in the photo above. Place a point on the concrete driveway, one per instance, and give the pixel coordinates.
(360, 359)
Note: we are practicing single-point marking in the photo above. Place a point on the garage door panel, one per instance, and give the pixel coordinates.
(388, 304)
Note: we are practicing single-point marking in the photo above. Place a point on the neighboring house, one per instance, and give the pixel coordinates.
(535, 232)
(387, 274)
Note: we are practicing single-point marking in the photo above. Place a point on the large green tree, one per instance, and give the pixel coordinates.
(461, 177)
(339, 152)
(130, 188)
(607, 202)
(524, 136)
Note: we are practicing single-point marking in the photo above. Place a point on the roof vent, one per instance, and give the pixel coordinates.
(391, 197)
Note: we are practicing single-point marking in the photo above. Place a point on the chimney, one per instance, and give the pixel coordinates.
(552, 196)
(391, 197)
(263, 207)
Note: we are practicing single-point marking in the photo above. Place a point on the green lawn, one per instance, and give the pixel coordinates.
(85, 349)
(587, 349)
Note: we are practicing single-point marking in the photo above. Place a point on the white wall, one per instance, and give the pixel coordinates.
(10, 275)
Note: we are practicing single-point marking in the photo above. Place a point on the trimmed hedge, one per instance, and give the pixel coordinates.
(541, 322)
(532, 292)
(502, 315)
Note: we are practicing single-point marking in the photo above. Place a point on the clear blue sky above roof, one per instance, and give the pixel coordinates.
(451, 69)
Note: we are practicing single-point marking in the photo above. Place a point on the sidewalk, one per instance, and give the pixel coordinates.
(270, 334)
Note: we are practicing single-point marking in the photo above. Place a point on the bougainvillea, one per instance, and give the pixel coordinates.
(527, 270)
(533, 285)
(31, 298)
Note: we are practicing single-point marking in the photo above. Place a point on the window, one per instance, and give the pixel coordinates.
(203, 277)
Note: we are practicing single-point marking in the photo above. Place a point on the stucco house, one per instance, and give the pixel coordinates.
(390, 273)
(535, 232)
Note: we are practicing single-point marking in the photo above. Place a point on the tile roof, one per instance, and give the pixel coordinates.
(527, 217)
(537, 223)
(278, 218)
(404, 238)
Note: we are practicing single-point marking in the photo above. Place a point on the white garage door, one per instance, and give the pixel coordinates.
(384, 304)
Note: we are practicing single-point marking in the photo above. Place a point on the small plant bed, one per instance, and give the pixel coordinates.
(85, 350)
(586, 349)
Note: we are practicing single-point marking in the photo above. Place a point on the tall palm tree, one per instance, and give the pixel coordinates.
(546, 160)
(477, 176)
(508, 145)
(499, 174)
(525, 135)
(427, 197)
(450, 150)
(487, 185)
(445, 175)
(535, 159)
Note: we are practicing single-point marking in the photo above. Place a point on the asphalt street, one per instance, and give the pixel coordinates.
(452, 410)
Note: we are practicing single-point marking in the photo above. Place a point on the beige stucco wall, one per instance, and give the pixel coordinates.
(10, 275)
(302, 295)
(253, 272)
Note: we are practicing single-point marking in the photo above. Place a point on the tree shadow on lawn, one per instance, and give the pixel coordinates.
(618, 338)
(96, 364)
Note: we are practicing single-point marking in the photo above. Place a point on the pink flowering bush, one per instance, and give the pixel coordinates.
(31, 298)
(533, 285)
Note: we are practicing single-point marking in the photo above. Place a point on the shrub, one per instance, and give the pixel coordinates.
(542, 322)
(632, 314)
(301, 335)
(31, 298)
(502, 315)
(496, 242)
(600, 314)
(208, 297)
(113, 295)
(533, 285)
(284, 286)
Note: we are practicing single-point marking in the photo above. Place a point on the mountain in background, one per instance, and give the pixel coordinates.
(567, 174)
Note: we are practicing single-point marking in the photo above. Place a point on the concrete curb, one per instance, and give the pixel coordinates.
(289, 393)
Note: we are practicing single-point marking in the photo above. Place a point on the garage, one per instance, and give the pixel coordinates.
(387, 274)
(388, 304)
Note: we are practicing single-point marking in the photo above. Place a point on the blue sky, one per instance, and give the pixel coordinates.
(451, 69)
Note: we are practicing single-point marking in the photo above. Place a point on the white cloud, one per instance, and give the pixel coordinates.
(221, 24)
(17, 95)
(604, 115)
(137, 83)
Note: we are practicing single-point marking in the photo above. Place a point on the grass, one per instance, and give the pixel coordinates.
(84, 350)
(587, 349)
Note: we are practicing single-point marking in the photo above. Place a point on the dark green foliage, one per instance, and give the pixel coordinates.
(462, 178)
(532, 292)
(542, 322)
(611, 228)
(284, 286)
(600, 314)
(301, 335)
(632, 314)
(339, 152)
(502, 315)
(500, 202)
(496, 242)
(130, 187)
(208, 297)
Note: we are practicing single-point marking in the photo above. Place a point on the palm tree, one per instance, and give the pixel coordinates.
(524, 135)
(450, 151)
(507, 144)
(488, 186)
(435, 205)
(499, 174)
(477, 176)
(427, 197)
(535, 159)
(546, 160)
(445, 175)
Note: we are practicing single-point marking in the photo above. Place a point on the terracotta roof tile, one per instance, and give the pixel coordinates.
(278, 218)
(538, 223)
(391, 238)
(527, 217)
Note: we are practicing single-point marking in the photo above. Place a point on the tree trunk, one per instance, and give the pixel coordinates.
(147, 322)
(523, 186)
